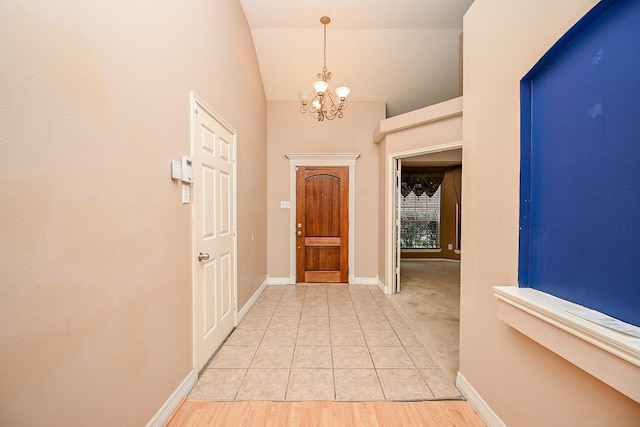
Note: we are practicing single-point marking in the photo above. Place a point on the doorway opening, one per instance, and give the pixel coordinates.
(423, 265)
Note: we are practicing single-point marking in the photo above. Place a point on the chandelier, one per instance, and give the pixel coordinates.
(324, 104)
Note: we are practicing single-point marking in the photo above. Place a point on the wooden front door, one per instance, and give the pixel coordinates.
(322, 226)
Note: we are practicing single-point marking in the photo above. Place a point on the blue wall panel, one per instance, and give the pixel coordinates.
(580, 165)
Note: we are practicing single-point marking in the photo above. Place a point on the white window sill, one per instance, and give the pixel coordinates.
(611, 356)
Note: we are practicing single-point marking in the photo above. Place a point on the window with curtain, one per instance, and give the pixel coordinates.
(420, 209)
(420, 221)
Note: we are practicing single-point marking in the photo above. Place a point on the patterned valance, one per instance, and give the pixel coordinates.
(421, 181)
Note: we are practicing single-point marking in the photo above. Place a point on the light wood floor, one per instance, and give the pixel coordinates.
(194, 413)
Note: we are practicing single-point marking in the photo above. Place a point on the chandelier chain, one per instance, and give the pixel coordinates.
(325, 47)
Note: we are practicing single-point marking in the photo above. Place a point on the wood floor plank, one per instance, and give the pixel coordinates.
(194, 413)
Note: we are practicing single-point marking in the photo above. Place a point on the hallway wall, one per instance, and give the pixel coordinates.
(96, 304)
(291, 132)
(524, 383)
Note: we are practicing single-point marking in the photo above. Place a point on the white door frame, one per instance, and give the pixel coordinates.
(391, 203)
(397, 175)
(313, 159)
(195, 103)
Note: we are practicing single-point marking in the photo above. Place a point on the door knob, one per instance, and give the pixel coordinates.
(299, 233)
(202, 256)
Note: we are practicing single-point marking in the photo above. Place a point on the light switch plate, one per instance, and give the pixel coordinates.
(186, 193)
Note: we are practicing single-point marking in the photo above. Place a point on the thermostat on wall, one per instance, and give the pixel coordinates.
(187, 169)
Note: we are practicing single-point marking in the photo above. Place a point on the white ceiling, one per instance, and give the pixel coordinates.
(403, 52)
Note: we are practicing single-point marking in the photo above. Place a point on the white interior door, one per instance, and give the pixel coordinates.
(214, 204)
(398, 227)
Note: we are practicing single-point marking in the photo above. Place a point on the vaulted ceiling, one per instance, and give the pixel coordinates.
(404, 52)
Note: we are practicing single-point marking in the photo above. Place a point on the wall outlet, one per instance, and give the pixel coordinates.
(285, 204)
(450, 247)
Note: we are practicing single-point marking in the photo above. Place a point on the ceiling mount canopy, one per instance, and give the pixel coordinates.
(324, 103)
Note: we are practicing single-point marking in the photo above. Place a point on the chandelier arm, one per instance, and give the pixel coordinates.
(335, 108)
(313, 111)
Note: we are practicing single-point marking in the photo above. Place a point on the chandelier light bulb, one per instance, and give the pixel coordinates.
(320, 86)
(304, 97)
(342, 92)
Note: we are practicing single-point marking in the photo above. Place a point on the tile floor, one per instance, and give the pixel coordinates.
(323, 342)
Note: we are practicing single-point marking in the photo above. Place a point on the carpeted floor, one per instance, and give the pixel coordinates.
(429, 300)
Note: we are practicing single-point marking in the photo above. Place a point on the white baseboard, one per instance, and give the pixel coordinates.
(363, 280)
(240, 315)
(385, 290)
(174, 400)
(280, 281)
(490, 418)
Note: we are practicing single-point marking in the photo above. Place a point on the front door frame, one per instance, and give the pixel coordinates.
(321, 159)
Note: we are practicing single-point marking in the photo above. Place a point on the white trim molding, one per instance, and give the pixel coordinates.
(240, 315)
(385, 289)
(483, 409)
(173, 401)
(322, 159)
(281, 281)
(371, 281)
(611, 356)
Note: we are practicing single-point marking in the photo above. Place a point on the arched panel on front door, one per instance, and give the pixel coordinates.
(322, 224)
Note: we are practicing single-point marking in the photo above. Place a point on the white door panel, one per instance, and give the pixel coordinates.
(214, 223)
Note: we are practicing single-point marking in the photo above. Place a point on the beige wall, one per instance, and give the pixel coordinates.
(291, 132)
(422, 129)
(525, 384)
(95, 304)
